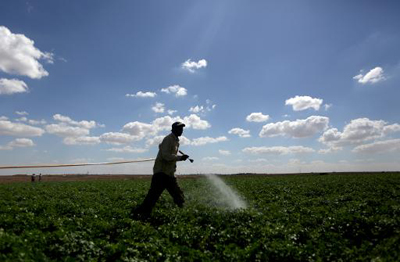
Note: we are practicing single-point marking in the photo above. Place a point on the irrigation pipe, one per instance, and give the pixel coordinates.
(80, 164)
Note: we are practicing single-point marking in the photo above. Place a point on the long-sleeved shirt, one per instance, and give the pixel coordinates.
(167, 155)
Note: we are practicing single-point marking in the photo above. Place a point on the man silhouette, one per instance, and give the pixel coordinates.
(164, 173)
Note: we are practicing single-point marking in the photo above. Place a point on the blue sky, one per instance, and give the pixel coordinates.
(264, 86)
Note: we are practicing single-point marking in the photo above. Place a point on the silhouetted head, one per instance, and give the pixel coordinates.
(177, 128)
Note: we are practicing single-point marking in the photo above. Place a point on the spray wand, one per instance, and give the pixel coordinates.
(191, 160)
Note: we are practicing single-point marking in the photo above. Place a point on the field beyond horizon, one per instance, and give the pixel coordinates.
(307, 217)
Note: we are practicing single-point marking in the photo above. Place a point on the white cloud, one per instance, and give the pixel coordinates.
(21, 142)
(88, 124)
(164, 123)
(373, 76)
(171, 112)
(22, 119)
(142, 94)
(3, 118)
(240, 132)
(327, 106)
(116, 138)
(196, 109)
(37, 122)
(330, 150)
(201, 109)
(209, 158)
(297, 129)
(192, 66)
(18, 55)
(154, 141)
(12, 86)
(391, 129)
(184, 141)
(192, 121)
(278, 150)
(139, 129)
(300, 103)
(195, 122)
(30, 121)
(22, 113)
(210, 106)
(82, 140)
(64, 130)
(175, 89)
(128, 149)
(142, 130)
(361, 129)
(357, 131)
(83, 124)
(330, 135)
(386, 146)
(207, 140)
(74, 132)
(158, 108)
(257, 117)
(224, 152)
(17, 129)
(62, 118)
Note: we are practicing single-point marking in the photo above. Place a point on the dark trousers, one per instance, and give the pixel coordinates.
(159, 182)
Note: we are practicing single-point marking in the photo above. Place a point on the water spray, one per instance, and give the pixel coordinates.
(230, 198)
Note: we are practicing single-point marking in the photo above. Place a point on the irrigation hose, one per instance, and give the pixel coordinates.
(80, 164)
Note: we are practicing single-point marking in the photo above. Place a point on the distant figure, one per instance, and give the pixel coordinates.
(40, 177)
(164, 173)
(33, 178)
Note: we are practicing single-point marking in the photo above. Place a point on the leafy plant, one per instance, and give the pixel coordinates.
(290, 218)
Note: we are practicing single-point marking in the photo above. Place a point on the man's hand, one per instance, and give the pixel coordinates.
(184, 157)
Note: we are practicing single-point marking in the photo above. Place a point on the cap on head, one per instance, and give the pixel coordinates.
(177, 125)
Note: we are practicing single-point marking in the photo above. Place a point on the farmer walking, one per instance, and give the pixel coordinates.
(164, 173)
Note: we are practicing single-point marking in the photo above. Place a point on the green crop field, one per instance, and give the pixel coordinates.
(289, 218)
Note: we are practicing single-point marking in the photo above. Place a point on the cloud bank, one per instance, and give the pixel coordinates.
(296, 129)
(18, 129)
(379, 147)
(358, 131)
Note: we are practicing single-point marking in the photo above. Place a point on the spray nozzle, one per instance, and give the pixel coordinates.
(191, 160)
